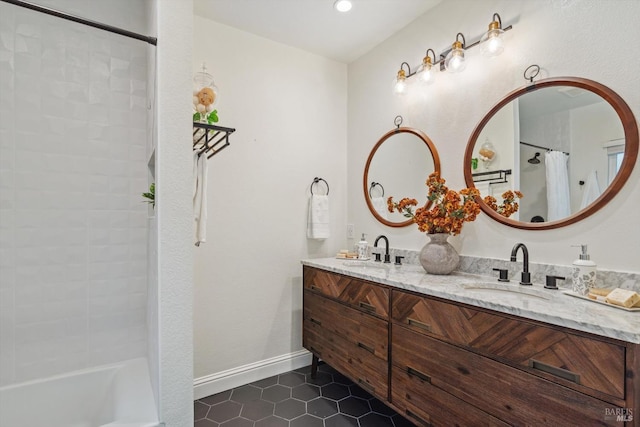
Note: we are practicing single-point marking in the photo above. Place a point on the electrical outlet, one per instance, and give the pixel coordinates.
(351, 231)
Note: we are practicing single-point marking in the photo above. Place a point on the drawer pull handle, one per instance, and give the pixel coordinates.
(417, 418)
(554, 370)
(315, 288)
(366, 347)
(317, 322)
(419, 324)
(366, 386)
(367, 307)
(418, 374)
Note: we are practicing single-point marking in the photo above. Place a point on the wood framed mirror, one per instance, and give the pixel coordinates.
(590, 124)
(398, 165)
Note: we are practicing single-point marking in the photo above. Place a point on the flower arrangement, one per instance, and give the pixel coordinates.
(509, 204)
(449, 210)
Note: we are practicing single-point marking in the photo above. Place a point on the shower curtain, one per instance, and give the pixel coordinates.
(558, 197)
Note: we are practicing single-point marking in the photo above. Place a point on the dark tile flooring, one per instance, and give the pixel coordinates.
(294, 399)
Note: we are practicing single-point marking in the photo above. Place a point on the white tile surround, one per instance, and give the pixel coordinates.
(73, 163)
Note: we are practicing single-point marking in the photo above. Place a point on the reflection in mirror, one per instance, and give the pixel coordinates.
(567, 144)
(398, 164)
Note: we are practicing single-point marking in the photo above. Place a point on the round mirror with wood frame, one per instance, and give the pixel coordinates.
(398, 165)
(571, 86)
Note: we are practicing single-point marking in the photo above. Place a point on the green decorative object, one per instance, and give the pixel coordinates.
(151, 195)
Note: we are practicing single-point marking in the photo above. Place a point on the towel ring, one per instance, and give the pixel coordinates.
(317, 180)
(373, 184)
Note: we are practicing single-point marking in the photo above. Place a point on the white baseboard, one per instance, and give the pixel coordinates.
(225, 380)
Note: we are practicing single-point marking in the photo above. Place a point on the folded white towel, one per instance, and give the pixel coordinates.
(200, 197)
(318, 219)
(380, 205)
(591, 190)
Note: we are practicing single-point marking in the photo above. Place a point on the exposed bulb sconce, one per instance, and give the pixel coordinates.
(492, 42)
(426, 72)
(342, 5)
(400, 86)
(454, 61)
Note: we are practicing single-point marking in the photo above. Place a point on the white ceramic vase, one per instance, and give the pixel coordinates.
(438, 256)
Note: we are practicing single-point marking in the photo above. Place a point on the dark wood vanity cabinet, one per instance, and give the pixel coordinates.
(346, 324)
(442, 363)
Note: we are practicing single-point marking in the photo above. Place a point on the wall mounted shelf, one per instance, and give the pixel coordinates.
(210, 139)
(494, 177)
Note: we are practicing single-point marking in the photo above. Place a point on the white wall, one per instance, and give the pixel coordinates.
(72, 163)
(591, 127)
(571, 38)
(174, 186)
(290, 111)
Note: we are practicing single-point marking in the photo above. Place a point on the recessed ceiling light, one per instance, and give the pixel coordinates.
(342, 5)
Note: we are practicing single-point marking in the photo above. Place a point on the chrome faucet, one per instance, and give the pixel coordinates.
(387, 257)
(525, 278)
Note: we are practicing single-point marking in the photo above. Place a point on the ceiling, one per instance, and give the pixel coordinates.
(314, 25)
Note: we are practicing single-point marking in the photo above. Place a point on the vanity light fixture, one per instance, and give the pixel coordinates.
(454, 61)
(492, 42)
(400, 86)
(426, 73)
(342, 5)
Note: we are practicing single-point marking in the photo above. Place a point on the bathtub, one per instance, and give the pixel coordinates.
(117, 395)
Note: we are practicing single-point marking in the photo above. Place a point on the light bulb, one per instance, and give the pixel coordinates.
(454, 61)
(426, 73)
(492, 43)
(400, 85)
(342, 5)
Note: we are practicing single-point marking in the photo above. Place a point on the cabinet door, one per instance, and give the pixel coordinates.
(359, 294)
(363, 330)
(367, 297)
(509, 394)
(426, 405)
(576, 361)
(359, 364)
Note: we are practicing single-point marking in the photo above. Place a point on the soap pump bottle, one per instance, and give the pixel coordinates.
(583, 272)
(363, 248)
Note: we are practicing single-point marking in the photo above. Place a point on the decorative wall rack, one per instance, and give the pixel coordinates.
(494, 177)
(210, 139)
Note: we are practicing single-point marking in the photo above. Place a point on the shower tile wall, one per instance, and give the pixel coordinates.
(73, 229)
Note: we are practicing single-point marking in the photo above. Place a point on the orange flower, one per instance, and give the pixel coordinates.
(509, 205)
(448, 210)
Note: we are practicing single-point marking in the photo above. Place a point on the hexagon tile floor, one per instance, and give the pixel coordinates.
(294, 399)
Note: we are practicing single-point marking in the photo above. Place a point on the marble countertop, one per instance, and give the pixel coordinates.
(530, 302)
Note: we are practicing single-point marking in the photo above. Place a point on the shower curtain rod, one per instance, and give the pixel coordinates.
(542, 148)
(79, 20)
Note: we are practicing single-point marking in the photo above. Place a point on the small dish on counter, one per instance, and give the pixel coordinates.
(584, 297)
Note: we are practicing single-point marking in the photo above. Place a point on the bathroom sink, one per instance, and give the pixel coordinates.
(367, 264)
(496, 289)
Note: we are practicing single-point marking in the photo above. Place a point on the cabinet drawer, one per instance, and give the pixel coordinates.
(324, 282)
(426, 405)
(364, 296)
(363, 367)
(367, 332)
(512, 395)
(574, 360)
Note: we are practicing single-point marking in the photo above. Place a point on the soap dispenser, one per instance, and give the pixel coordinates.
(583, 272)
(363, 248)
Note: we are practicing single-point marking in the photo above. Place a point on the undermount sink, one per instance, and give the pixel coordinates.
(367, 264)
(495, 289)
